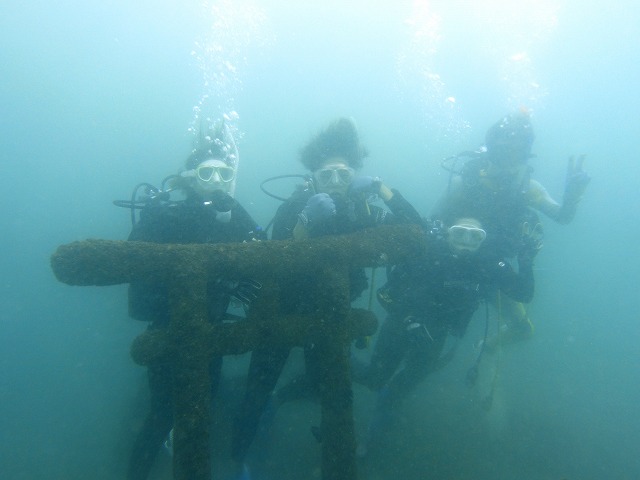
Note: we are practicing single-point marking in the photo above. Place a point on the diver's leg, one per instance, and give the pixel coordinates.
(389, 350)
(425, 347)
(264, 371)
(305, 385)
(514, 322)
(517, 319)
(156, 425)
(392, 347)
(421, 354)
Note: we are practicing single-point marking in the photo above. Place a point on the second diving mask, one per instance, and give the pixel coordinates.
(334, 176)
(206, 173)
(212, 176)
(464, 237)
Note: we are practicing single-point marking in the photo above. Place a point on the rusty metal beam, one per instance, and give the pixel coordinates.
(111, 262)
(189, 342)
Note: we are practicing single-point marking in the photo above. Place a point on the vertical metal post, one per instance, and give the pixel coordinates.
(338, 435)
(191, 378)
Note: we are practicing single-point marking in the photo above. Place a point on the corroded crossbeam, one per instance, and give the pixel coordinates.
(111, 262)
(190, 341)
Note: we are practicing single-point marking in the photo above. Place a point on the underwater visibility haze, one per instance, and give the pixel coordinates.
(97, 97)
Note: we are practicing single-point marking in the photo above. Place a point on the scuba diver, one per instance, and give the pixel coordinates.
(334, 200)
(495, 186)
(207, 212)
(429, 299)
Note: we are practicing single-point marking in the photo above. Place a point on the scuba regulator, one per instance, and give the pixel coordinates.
(145, 193)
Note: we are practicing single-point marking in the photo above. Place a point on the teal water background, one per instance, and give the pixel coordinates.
(98, 96)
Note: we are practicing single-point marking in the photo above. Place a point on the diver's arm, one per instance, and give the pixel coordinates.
(248, 230)
(285, 221)
(519, 286)
(402, 210)
(385, 193)
(362, 188)
(575, 185)
(300, 232)
(540, 200)
(316, 218)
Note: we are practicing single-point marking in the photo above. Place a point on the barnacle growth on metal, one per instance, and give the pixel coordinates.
(189, 342)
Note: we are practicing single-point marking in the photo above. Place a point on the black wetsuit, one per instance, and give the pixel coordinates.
(189, 221)
(501, 210)
(428, 300)
(267, 364)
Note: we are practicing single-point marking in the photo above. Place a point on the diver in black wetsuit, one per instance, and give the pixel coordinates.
(495, 186)
(430, 299)
(207, 214)
(336, 201)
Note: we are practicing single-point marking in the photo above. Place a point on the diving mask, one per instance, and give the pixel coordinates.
(334, 176)
(213, 176)
(463, 237)
(206, 173)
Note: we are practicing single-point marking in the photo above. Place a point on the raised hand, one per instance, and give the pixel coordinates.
(577, 179)
(364, 185)
(532, 236)
(319, 209)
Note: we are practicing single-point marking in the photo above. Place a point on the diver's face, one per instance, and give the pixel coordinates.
(334, 177)
(509, 157)
(214, 176)
(465, 236)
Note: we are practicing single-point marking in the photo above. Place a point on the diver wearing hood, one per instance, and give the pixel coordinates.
(208, 213)
(495, 186)
(336, 200)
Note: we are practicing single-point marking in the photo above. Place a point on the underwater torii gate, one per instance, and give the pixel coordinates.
(190, 341)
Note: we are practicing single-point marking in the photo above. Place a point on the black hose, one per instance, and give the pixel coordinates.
(472, 373)
(135, 204)
(306, 178)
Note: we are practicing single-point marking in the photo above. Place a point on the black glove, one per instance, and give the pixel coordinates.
(318, 210)
(221, 201)
(364, 186)
(532, 236)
